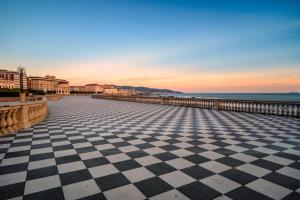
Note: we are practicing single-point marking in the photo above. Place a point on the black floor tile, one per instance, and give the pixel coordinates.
(127, 165)
(95, 162)
(111, 181)
(230, 161)
(283, 180)
(160, 168)
(238, 176)
(246, 194)
(52, 194)
(76, 176)
(153, 186)
(256, 154)
(13, 190)
(42, 172)
(267, 164)
(292, 196)
(137, 154)
(67, 159)
(17, 154)
(13, 168)
(42, 156)
(108, 152)
(288, 156)
(196, 159)
(197, 172)
(86, 149)
(197, 190)
(165, 156)
(99, 196)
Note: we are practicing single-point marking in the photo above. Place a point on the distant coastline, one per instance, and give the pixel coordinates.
(292, 96)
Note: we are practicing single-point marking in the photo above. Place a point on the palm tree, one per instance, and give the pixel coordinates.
(21, 71)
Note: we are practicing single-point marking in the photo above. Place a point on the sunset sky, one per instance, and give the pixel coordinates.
(190, 46)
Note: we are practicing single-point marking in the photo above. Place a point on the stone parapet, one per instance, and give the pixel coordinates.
(23, 115)
(282, 108)
(54, 96)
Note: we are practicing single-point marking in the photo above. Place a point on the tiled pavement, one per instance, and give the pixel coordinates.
(100, 149)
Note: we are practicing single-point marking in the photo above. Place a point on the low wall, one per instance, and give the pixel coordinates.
(8, 99)
(54, 96)
(23, 115)
(282, 108)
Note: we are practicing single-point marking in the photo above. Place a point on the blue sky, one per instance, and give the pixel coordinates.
(153, 40)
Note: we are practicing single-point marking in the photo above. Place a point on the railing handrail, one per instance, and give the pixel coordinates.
(8, 107)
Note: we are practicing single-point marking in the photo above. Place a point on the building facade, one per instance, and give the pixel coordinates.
(11, 79)
(127, 92)
(77, 89)
(111, 91)
(48, 84)
(63, 87)
(6, 84)
(93, 88)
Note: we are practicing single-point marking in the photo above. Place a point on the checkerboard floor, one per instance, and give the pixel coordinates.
(100, 149)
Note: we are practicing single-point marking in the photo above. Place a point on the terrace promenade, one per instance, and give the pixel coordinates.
(106, 149)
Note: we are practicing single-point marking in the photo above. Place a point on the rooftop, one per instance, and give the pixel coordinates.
(106, 149)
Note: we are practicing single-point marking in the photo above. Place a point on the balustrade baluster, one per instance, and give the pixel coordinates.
(281, 112)
(290, 110)
(285, 110)
(275, 109)
(271, 107)
(9, 121)
(3, 122)
(258, 108)
(266, 109)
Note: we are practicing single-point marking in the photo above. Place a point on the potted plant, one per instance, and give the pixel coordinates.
(22, 71)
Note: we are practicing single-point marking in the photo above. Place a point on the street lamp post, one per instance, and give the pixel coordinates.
(22, 71)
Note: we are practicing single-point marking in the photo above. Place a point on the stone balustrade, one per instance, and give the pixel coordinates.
(34, 98)
(23, 115)
(54, 96)
(283, 108)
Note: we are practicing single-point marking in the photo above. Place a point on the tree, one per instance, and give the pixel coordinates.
(21, 71)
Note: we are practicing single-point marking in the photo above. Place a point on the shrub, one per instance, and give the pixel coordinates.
(9, 92)
(36, 92)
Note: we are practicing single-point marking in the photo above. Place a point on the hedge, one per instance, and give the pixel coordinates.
(9, 92)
